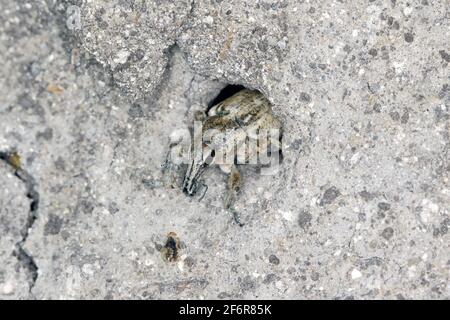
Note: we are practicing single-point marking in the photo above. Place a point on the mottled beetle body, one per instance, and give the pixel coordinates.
(232, 134)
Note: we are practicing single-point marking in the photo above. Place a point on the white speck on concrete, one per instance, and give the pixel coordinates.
(121, 57)
(287, 215)
(208, 20)
(8, 288)
(356, 274)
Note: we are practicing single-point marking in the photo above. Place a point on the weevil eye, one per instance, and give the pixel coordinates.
(210, 158)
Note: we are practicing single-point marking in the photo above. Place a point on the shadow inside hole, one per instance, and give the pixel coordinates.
(225, 93)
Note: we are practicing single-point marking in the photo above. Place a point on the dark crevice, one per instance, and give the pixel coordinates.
(225, 93)
(169, 52)
(24, 258)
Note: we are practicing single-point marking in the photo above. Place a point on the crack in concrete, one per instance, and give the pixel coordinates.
(169, 52)
(24, 257)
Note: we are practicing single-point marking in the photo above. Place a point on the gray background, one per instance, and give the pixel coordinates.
(359, 208)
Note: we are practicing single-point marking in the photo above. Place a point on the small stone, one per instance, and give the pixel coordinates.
(26, 102)
(85, 206)
(53, 225)
(305, 97)
(395, 115)
(296, 144)
(139, 55)
(263, 45)
(373, 52)
(409, 37)
(377, 107)
(444, 90)
(362, 216)
(405, 117)
(384, 206)
(113, 208)
(136, 111)
(189, 261)
(444, 55)
(60, 164)
(388, 233)
(304, 219)
(396, 25)
(329, 196)
(55, 88)
(248, 284)
(273, 259)
(271, 277)
(315, 276)
(367, 196)
(47, 134)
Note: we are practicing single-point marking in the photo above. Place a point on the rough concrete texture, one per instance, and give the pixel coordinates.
(14, 276)
(359, 209)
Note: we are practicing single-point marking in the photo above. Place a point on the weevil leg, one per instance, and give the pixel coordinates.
(204, 193)
(234, 184)
(236, 217)
(168, 172)
(171, 169)
(200, 116)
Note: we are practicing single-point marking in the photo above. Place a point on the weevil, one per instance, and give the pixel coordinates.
(239, 130)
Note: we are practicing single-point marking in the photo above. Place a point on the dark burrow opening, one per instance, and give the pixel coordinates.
(225, 93)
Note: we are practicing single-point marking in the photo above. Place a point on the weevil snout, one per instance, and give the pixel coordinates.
(189, 186)
(195, 170)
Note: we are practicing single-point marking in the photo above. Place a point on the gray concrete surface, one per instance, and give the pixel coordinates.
(359, 209)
